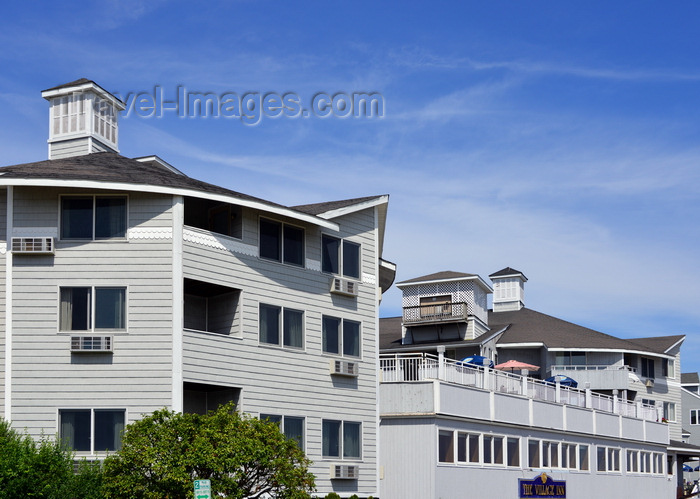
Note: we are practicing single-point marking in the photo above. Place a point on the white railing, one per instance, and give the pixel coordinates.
(426, 367)
(590, 367)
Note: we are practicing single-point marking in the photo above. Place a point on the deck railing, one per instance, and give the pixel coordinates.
(436, 312)
(426, 367)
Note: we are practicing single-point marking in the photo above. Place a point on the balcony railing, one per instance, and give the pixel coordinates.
(426, 367)
(437, 312)
(590, 367)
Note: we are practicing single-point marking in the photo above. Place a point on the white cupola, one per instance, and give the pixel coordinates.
(508, 290)
(83, 119)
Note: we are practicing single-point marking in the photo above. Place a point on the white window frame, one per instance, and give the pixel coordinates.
(669, 411)
(696, 413)
(92, 308)
(94, 214)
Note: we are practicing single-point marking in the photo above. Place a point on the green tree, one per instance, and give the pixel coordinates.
(42, 469)
(162, 454)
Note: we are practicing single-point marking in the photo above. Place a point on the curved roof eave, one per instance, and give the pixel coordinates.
(176, 191)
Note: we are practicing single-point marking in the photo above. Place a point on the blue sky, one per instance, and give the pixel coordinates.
(556, 138)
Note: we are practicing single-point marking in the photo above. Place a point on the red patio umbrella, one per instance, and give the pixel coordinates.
(516, 364)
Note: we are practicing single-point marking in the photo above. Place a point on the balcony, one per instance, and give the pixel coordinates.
(416, 368)
(436, 313)
(597, 377)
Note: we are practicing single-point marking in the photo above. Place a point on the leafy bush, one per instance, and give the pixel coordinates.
(42, 469)
(244, 457)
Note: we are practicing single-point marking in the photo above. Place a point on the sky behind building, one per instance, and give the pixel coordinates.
(557, 139)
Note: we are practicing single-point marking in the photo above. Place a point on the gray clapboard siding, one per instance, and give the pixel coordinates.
(139, 375)
(260, 370)
(68, 148)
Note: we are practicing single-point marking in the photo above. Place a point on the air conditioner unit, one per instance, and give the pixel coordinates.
(344, 287)
(33, 245)
(344, 368)
(649, 383)
(91, 344)
(344, 472)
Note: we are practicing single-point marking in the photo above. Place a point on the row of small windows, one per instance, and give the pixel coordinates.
(105, 217)
(284, 327)
(484, 449)
(100, 430)
(88, 308)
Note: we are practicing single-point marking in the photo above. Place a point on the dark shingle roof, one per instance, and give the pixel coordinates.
(447, 274)
(80, 81)
(390, 338)
(507, 271)
(690, 379)
(528, 326)
(659, 344)
(112, 167)
(390, 332)
(318, 208)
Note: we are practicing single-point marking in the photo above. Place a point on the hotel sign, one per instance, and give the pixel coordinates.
(542, 486)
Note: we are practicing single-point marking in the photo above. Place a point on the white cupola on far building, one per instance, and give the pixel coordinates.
(83, 119)
(508, 290)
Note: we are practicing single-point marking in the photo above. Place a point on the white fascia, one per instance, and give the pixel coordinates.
(612, 350)
(371, 203)
(174, 191)
(534, 344)
(476, 278)
(58, 92)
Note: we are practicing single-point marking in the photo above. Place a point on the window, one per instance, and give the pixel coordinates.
(446, 446)
(632, 461)
(335, 261)
(668, 368)
(608, 459)
(583, 458)
(342, 439)
(275, 320)
(93, 217)
(513, 450)
(341, 335)
(570, 358)
(695, 416)
(281, 242)
(91, 430)
(292, 427)
(647, 368)
(88, 308)
(669, 411)
(533, 453)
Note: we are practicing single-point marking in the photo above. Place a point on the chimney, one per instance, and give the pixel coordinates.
(508, 290)
(82, 119)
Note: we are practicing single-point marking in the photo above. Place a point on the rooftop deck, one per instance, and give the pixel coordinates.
(395, 368)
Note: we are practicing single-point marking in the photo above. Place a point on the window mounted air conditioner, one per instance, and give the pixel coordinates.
(33, 245)
(344, 286)
(344, 472)
(649, 383)
(91, 344)
(344, 368)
